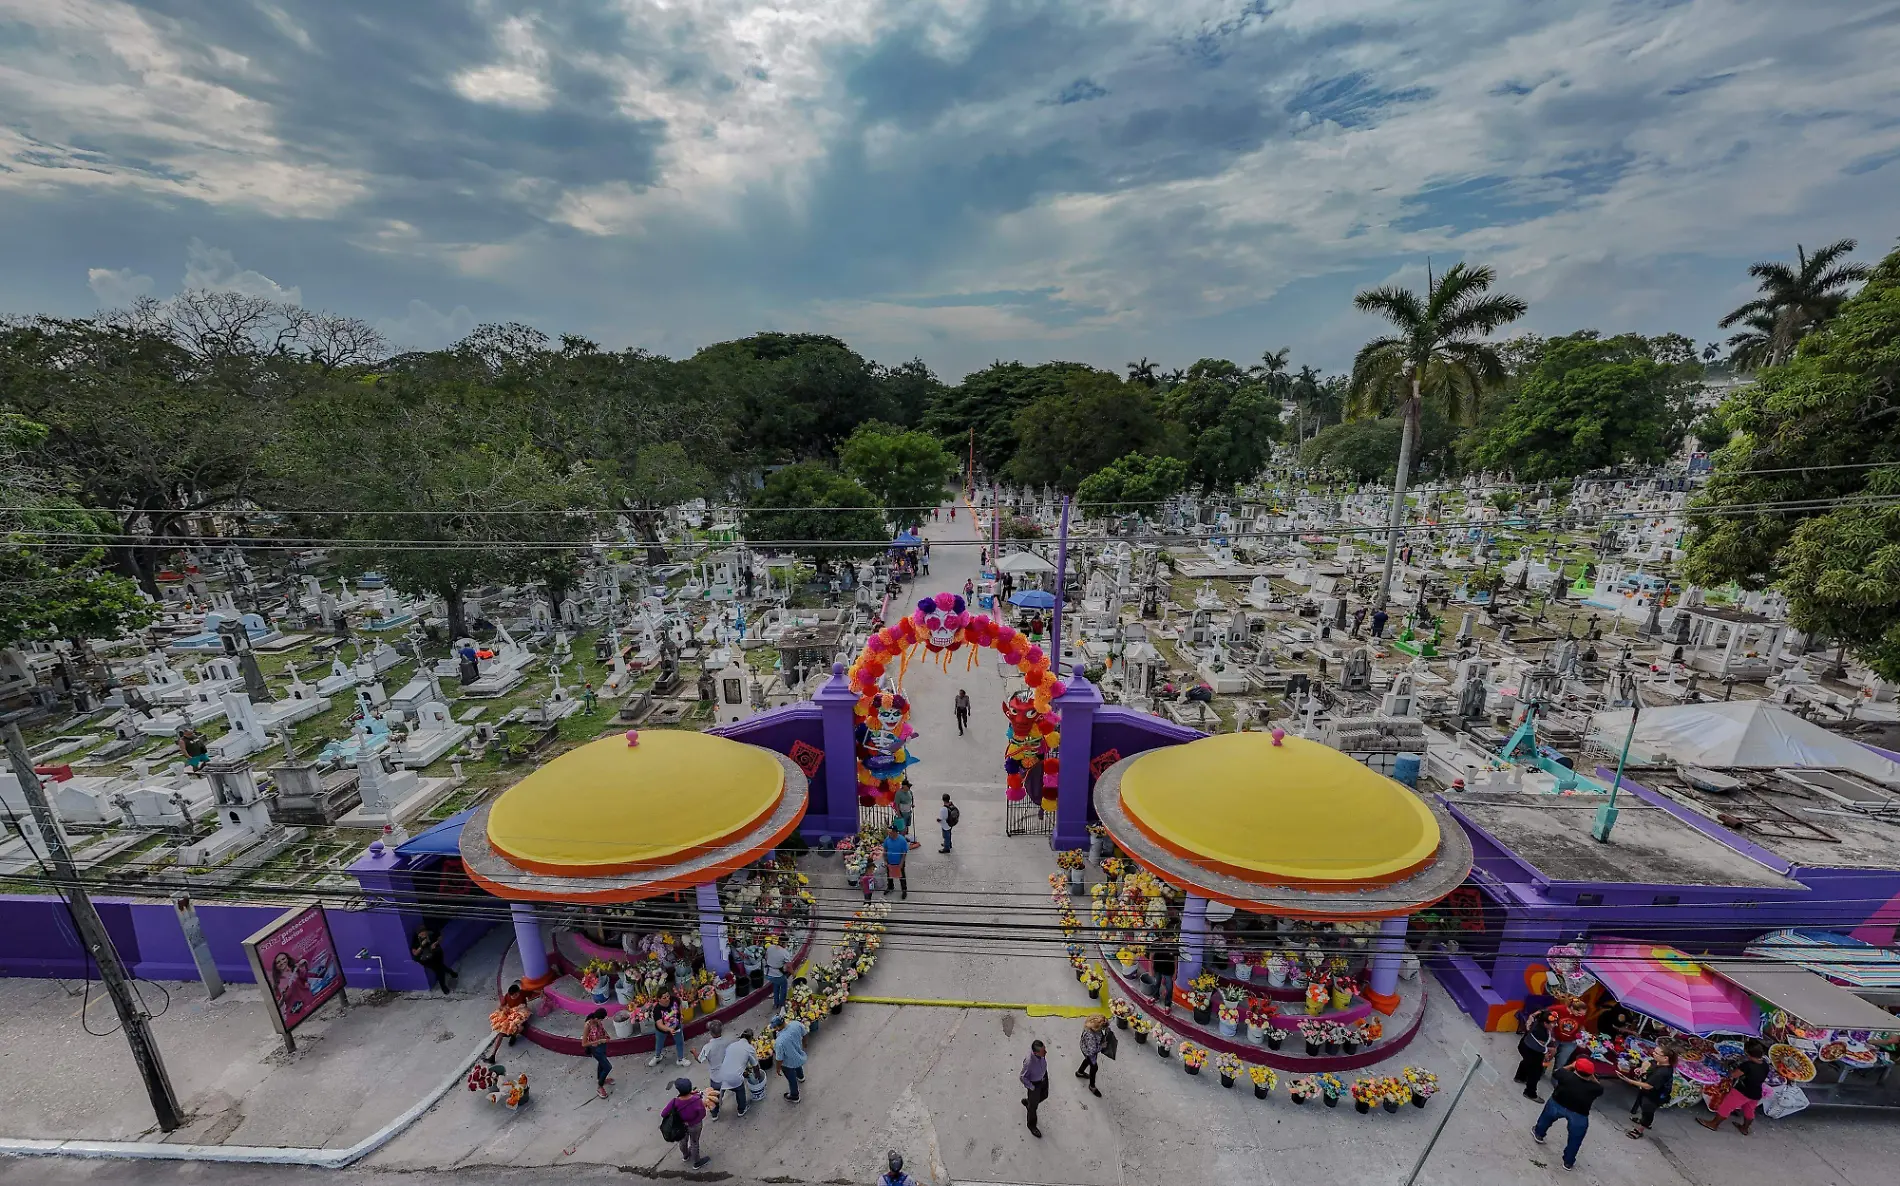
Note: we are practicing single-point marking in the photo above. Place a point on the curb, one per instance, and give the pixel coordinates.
(330, 1159)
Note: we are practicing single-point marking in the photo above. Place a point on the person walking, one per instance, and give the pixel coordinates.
(947, 817)
(1652, 1091)
(894, 1174)
(426, 947)
(1358, 620)
(1573, 1089)
(1035, 1081)
(1378, 623)
(691, 1113)
(1745, 1085)
(1163, 964)
(789, 1050)
(778, 963)
(196, 750)
(711, 1054)
(963, 711)
(1533, 1052)
(1566, 1029)
(735, 1067)
(1092, 1042)
(667, 1027)
(896, 848)
(594, 1042)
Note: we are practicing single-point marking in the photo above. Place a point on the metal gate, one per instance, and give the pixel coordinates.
(1027, 818)
(872, 816)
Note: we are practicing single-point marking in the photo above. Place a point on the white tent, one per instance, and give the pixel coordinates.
(1022, 562)
(1751, 734)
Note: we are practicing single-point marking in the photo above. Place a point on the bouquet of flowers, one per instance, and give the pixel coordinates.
(1260, 1011)
(1335, 1032)
(1371, 1030)
(1422, 1081)
(1072, 860)
(1365, 1093)
(1312, 1029)
(1164, 1043)
(1229, 1012)
(1316, 997)
(1121, 1010)
(1393, 1092)
(1263, 1077)
(1127, 957)
(1058, 887)
(1141, 1027)
(1114, 867)
(1301, 1089)
(1193, 1057)
(508, 1020)
(1228, 1065)
(1234, 994)
(1330, 1086)
(1092, 981)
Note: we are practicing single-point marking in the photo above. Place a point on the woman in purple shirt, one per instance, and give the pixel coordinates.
(1035, 1081)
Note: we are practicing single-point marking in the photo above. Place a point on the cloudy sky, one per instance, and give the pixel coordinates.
(961, 179)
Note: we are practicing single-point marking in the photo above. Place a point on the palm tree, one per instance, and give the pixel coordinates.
(1305, 390)
(1142, 372)
(1753, 348)
(1796, 301)
(1440, 350)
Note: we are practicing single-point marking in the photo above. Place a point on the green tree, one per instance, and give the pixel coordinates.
(817, 512)
(1093, 419)
(1794, 302)
(1132, 484)
(1365, 449)
(796, 396)
(983, 408)
(1591, 402)
(51, 583)
(1228, 419)
(1439, 351)
(1797, 498)
(903, 469)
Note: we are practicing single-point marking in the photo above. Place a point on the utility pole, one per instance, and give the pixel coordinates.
(92, 933)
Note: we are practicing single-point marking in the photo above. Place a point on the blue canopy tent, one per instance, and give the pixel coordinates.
(1033, 599)
(439, 840)
(905, 539)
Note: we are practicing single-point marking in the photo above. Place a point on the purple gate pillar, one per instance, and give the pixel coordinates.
(386, 879)
(1388, 953)
(1193, 939)
(839, 811)
(1077, 706)
(712, 929)
(531, 941)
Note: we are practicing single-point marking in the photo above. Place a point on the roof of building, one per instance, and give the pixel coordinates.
(1796, 822)
(1648, 846)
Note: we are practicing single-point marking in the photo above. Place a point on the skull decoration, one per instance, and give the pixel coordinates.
(941, 620)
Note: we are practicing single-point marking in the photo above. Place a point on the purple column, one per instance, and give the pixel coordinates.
(384, 877)
(1388, 952)
(838, 811)
(712, 929)
(1193, 938)
(531, 943)
(1077, 706)
(1062, 585)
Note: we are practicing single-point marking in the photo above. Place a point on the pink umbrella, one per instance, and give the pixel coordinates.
(1661, 982)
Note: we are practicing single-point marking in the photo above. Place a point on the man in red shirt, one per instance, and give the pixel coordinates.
(1566, 1029)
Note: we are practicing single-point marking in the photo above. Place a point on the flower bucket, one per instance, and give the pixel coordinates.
(1193, 1070)
(1260, 1093)
(1276, 972)
(1389, 1105)
(1121, 1023)
(1312, 1048)
(1361, 1107)
(1332, 1101)
(686, 1012)
(1256, 1033)
(1141, 1039)
(1229, 1028)
(1315, 1008)
(1341, 999)
(836, 1009)
(728, 995)
(1331, 1047)
(755, 1088)
(1298, 1099)
(765, 1062)
(1203, 1016)
(1226, 1080)
(624, 993)
(1095, 994)
(1349, 1046)
(1274, 1038)
(1243, 972)
(1418, 1101)
(622, 1025)
(1162, 1051)
(1076, 882)
(600, 995)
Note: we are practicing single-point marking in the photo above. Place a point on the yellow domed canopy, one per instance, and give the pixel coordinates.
(607, 807)
(1296, 813)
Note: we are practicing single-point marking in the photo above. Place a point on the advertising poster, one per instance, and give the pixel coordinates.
(296, 961)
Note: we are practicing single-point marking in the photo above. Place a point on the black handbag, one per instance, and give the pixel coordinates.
(1109, 1042)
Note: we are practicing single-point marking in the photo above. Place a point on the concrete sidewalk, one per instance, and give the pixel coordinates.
(356, 1066)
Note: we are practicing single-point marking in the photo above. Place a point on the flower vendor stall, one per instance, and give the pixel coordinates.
(1283, 872)
(651, 858)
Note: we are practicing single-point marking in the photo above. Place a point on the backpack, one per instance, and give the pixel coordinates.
(672, 1128)
(953, 815)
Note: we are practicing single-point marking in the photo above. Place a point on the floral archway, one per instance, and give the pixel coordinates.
(939, 627)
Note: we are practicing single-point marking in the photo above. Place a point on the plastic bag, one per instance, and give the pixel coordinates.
(1784, 1101)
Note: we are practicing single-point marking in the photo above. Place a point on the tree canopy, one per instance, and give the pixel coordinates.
(830, 516)
(1131, 484)
(1091, 420)
(904, 469)
(1230, 418)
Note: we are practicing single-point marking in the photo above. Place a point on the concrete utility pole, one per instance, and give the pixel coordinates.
(92, 932)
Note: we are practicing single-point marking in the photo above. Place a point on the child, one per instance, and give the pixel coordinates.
(867, 880)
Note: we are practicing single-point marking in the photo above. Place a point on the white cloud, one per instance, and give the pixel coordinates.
(518, 79)
(115, 288)
(424, 327)
(216, 269)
